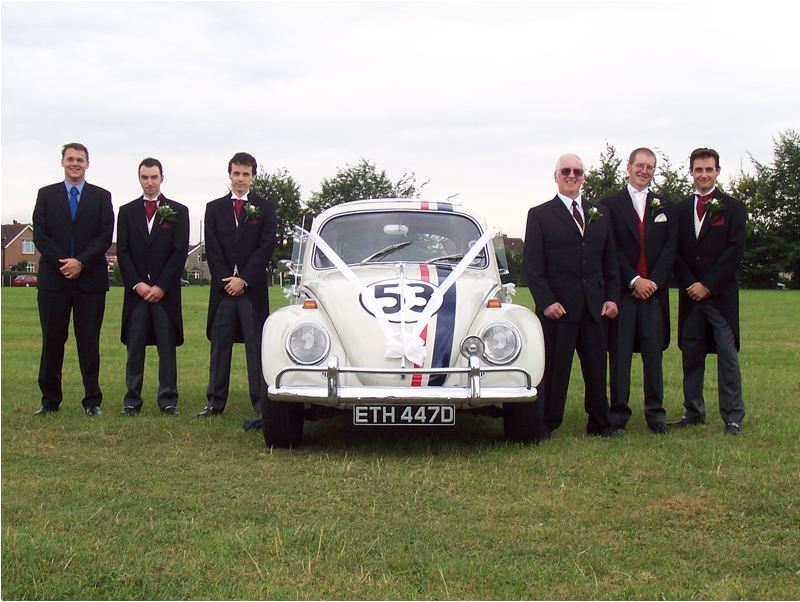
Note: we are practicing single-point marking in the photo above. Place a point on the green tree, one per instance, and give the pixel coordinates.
(772, 197)
(361, 181)
(606, 179)
(672, 183)
(280, 188)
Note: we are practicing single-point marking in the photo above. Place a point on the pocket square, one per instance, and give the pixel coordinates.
(660, 218)
(717, 220)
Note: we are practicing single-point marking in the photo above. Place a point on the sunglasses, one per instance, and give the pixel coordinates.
(565, 171)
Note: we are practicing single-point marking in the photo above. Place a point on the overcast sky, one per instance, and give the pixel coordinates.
(479, 98)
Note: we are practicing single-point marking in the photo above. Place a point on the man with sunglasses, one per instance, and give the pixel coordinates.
(644, 232)
(570, 266)
(711, 232)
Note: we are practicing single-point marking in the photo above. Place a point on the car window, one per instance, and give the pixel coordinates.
(393, 236)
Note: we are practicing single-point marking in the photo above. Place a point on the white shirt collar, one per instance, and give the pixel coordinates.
(635, 193)
(235, 198)
(568, 202)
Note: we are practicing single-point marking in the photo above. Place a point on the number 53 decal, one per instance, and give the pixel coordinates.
(400, 304)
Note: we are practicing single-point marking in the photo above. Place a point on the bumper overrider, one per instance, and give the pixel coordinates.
(337, 395)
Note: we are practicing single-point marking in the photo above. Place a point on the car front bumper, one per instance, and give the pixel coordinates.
(335, 394)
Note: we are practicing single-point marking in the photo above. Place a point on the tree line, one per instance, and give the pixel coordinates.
(771, 193)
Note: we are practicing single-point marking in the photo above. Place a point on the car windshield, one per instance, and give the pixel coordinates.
(393, 236)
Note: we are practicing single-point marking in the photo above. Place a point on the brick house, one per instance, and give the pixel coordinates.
(17, 241)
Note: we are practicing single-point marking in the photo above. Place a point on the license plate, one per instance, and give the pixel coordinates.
(403, 415)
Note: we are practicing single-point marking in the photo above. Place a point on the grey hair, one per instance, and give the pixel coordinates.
(564, 156)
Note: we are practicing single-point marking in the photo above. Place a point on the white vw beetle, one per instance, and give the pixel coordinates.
(399, 316)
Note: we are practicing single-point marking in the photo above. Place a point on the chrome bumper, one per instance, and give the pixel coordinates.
(337, 395)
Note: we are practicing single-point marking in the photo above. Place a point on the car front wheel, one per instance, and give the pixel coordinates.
(282, 422)
(522, 422)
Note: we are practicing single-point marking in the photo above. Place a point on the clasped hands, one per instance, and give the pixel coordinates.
(151, 294)
(643, 288)
(557, 311)
(697, 291)
(71, 268)
(234, 286)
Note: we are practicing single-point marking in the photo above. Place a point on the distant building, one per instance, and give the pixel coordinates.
(512, 243)
(196, 264)
(18, 247)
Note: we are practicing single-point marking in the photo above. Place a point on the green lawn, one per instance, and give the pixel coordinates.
(154, 507)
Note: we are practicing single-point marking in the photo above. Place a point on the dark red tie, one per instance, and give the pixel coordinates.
(238, 204)
(577, 214)
(150, 208)
(701, 204)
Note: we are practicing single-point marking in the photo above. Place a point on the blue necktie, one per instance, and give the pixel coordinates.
(73, 209)
(73, 201)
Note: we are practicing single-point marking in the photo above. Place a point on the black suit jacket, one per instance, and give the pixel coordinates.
(660, 245)
(713, 258)
(155, 258)
(248, 247)
(560, 265)
(53, 229)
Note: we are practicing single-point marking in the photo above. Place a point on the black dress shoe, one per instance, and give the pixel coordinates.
(209, 411)
(659, 428)
(130, 411)
(94, 411)
(43, 409)
(171, 410)
(606, 434)
(733, 428)
(684, 422)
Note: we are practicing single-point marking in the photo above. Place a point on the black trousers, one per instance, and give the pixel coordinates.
(561, 340)
(234, 315)
(55, 309)
(144, 318)
(639, 321)
(693, 354)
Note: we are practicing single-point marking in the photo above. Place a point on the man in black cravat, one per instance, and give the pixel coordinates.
(152, 242)
(712, 227)
(644, 232)
(570, 266)
(73, 222)
(240, 236)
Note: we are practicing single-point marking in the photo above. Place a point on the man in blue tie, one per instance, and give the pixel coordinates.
(73, 222)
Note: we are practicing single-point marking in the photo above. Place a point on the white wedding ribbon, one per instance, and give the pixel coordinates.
(402, 344)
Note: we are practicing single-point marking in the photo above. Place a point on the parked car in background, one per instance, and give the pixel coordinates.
(399, 317)
(25, 280)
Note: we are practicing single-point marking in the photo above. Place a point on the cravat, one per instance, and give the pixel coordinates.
(150, 208)
(577, 214)
(701, 204)
(239, 203)
(73, 201)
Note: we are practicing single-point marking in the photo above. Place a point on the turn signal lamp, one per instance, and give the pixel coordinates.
(310, 304)
(494, 303)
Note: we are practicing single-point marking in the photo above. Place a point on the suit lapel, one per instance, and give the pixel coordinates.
(560, 210)
(629, 215)
(83, 202)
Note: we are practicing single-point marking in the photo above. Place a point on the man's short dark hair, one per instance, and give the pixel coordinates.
(243, 159)
(703, 153)
(642, 149)
(75, 146)
(150, 162)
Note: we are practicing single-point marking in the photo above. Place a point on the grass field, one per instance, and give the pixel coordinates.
(156, 507)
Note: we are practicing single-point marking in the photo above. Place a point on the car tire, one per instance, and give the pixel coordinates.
(522, 422)
(282, 422)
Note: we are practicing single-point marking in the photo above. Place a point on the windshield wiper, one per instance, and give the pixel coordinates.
(386, 251)
(455, 257)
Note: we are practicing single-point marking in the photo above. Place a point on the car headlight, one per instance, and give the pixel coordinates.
(308, 344)
(502, 343)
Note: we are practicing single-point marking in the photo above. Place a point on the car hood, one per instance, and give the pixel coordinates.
(399, 296)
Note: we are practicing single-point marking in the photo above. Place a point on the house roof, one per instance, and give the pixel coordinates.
(10, 232)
